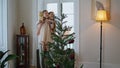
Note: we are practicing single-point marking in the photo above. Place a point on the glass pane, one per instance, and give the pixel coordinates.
(52, 7)
(70, 21)
(68, 7)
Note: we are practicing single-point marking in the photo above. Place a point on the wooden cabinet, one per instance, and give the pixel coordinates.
(22, 47)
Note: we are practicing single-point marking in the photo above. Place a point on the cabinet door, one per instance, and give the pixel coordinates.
(22, 51)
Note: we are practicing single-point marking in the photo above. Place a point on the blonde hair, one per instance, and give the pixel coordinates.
(41, 17)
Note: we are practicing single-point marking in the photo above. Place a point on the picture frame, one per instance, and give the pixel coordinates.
(106, 4)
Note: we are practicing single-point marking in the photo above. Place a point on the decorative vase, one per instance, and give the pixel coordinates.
(22, 29)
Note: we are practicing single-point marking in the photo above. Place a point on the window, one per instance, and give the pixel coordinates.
(3, 25)
(68, 9)
(52, 7)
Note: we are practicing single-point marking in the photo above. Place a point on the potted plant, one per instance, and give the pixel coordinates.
(81, 66)
(4, 59)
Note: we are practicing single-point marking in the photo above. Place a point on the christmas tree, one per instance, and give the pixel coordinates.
(57, 55)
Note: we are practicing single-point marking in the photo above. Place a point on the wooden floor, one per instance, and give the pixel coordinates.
(33, 67)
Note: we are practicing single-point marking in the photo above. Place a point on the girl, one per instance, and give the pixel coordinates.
(52, 24)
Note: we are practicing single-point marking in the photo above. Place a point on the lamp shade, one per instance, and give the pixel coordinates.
(101, 15)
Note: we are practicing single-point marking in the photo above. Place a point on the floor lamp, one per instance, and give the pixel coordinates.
(101, 17)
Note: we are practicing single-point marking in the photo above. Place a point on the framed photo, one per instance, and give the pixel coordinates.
(100, 4)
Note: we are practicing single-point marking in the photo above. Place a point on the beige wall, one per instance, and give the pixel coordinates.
(12, 25)
(27, 14)
(19, 11)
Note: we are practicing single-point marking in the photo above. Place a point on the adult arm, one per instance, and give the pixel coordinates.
(39, 25)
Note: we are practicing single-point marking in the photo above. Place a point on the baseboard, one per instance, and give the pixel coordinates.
(33, 67)
(96, 65)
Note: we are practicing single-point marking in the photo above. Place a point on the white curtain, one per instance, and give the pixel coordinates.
(3, 25)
